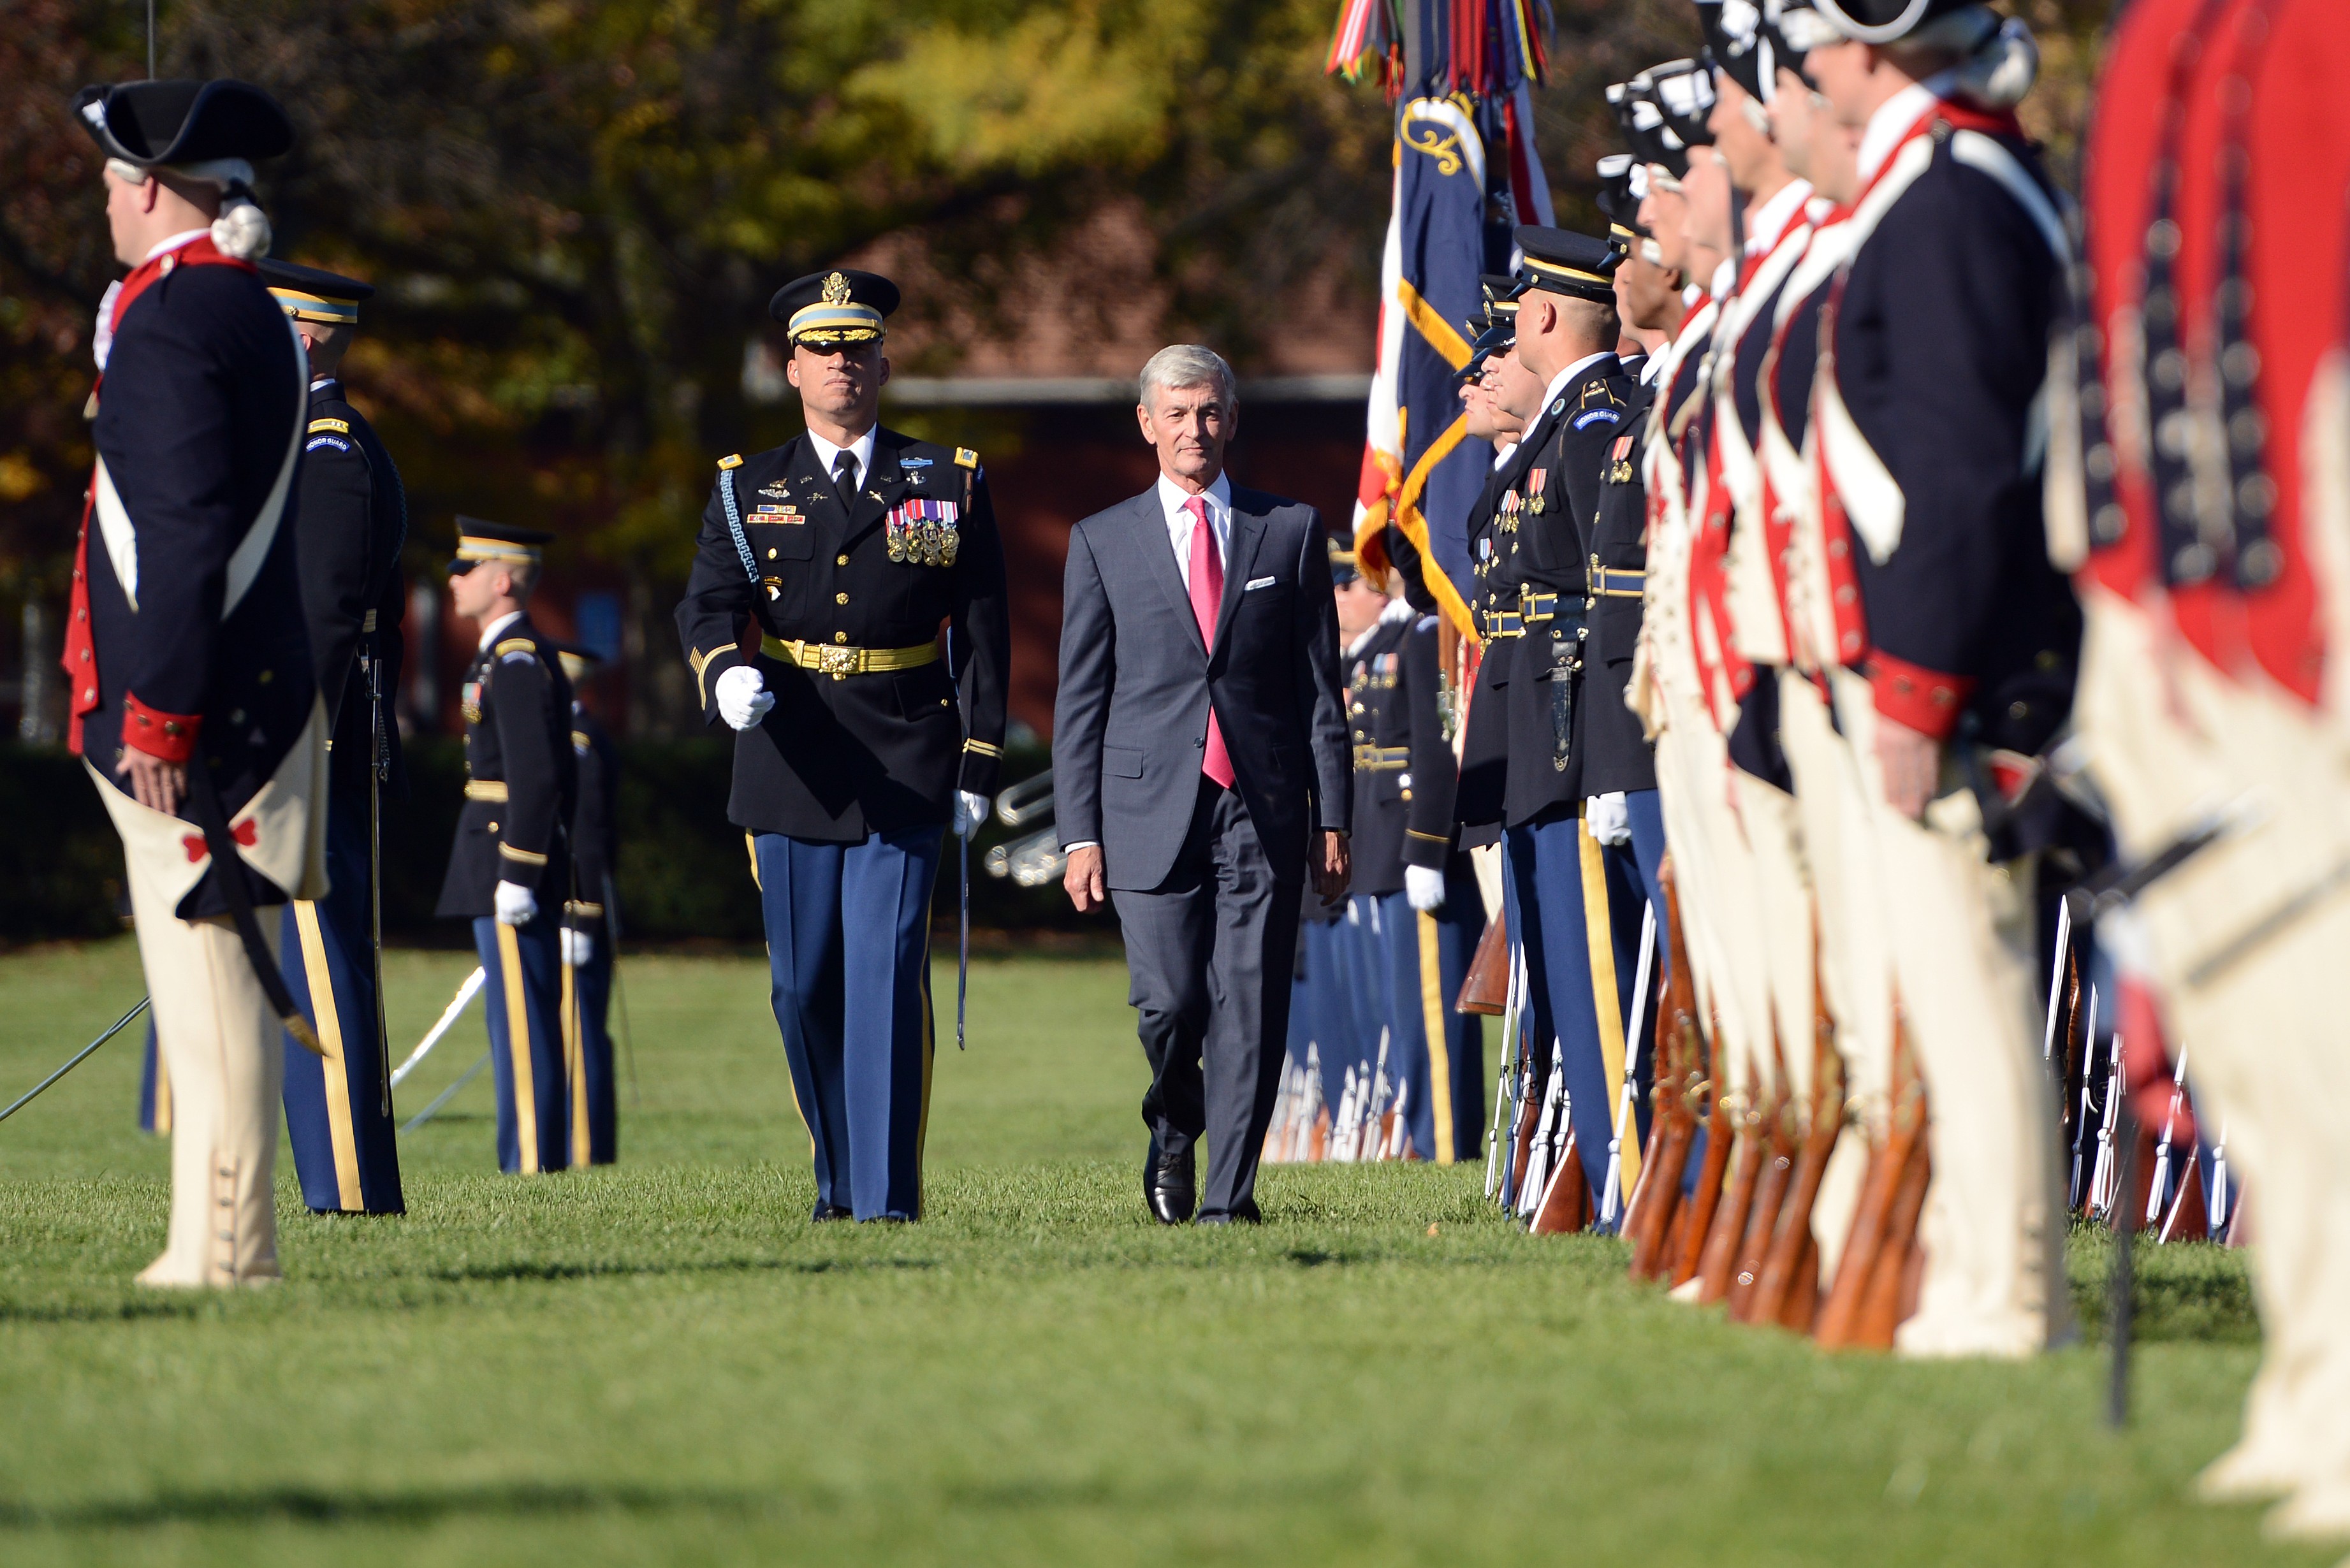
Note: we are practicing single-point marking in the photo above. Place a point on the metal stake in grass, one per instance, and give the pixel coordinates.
(445, 1095)
(34, 1093)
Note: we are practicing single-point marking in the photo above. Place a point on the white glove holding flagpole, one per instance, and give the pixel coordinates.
(971, 812)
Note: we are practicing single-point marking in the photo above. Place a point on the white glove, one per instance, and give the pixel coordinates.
(1424, 886)
(742, 697)
(578, 947)
(1607, 818)
(971, 812)
(517, 905)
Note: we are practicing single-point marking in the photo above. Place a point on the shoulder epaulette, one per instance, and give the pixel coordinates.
(342, 425)
(966, 458)
(732, 460)
(517, 645)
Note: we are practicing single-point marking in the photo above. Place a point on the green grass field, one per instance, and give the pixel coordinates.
(664, 1362)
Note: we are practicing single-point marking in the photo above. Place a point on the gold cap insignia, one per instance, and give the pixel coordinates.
(835, 289)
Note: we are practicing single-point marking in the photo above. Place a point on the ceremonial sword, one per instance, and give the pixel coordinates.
(34, 1093)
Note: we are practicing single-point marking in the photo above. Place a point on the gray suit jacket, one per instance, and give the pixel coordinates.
(1131, 719)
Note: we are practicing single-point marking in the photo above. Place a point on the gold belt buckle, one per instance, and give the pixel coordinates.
(838, 662)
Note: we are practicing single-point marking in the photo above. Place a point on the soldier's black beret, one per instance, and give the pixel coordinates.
(828, 308)
(175, 122)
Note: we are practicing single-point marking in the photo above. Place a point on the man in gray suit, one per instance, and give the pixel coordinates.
(1200, 772)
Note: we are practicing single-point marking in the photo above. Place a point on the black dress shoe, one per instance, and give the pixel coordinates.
(1167, 1187)
(825, 1211)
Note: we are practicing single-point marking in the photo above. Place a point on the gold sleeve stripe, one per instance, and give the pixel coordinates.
(1430, 837)
(517, 645)
(485, 789)
(342, 425)
(579, 740)
(701, 661)
(585, 911)
(981, 749)
(521, 855)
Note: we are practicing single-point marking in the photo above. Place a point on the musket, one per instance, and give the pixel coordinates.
(1342, 1145)
(445, 1095)
(1495, 1166)
(75, 1060)
(1612, 1189)
(1561, 1208)
(1657, 1198)
(2160, 1185)
(1398, 1144)
(1690, 1231)
(2222, 1196)
(2103, 1195)
(1377, 1100)
(2077, 1191)
(1538, 1150)
(1717, 1254)
(1894, 1276)
(1776, 1298)
(1839, 1322)
(1304, 1149)
(466, 991)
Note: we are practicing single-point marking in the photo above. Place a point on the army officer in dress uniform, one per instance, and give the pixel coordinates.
(824, 571)
(510, 869)
(352, 520)
(590, 925)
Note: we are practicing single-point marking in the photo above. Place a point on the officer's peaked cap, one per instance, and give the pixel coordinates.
(479, 541)
(314, 294)
(1560, 261)
(180, 122)
(840, 305)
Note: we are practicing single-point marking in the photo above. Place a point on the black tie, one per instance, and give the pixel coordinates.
(844, 479)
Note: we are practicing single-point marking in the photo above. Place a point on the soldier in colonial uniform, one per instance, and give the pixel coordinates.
(1961, 639)
(510, 870)
(352, 520)
(824, 573)
(590, 924)
(194, 703)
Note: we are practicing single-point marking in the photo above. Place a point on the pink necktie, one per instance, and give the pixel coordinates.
(1207, 594)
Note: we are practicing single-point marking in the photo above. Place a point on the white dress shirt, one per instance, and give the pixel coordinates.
(861, 449)
(1767, 224)
(1176, 502)
(490, 632)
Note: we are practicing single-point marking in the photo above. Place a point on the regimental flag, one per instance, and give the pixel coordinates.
(1466, 172)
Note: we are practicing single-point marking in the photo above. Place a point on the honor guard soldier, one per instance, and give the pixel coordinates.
(1432, 915)
(825, 570)
(510, 869)
(350, 524)
(591, 926)
(1567, 329)
(193, 700)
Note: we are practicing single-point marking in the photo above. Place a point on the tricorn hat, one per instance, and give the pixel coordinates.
(183, 122)
(1889, 21)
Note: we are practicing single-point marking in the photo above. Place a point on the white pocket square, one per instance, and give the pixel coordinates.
(1256, 583)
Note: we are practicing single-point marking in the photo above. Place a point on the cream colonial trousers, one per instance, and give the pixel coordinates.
(220, 1041)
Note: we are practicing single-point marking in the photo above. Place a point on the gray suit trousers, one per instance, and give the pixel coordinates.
(1209, 953)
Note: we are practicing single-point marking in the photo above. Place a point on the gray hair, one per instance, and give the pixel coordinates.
(1181, 364)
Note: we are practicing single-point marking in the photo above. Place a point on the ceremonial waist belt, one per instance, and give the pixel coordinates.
(1382, 759)
(1617, 582)
(840, 663)
(1534, 607)
(1501, 623)
(485, 789)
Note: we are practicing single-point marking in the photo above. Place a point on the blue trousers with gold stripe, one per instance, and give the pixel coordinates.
(588, 1057)
(522, 969)
(1442, 1052)
(154, 1089)
(849, 943)
(1578, 914)
(337, 1116)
